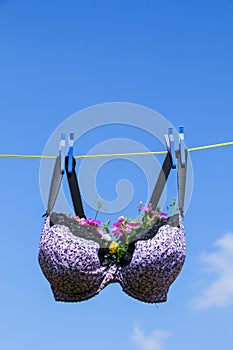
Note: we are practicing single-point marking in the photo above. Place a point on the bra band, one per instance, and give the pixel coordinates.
(74, 189)
(76, 196)
(161, 181)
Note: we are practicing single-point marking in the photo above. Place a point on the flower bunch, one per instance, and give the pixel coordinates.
(150, 216)
(118, 238)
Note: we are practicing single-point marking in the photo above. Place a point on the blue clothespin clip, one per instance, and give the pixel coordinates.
(182, 146)
(71, 151)
(171, 146)
(62, 144)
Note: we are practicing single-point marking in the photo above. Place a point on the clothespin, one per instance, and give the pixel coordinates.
(171, 146)
(71, 151)
(182, 170)
(182, 146)
(62, 144)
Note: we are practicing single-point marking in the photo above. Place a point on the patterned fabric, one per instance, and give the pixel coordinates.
(72, 266)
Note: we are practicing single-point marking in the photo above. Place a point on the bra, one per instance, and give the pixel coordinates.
(72, 263)
(72, 266)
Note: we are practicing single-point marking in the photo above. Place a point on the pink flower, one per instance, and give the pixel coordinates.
(117, 232)
(92, 222)
(145, 208)
(162, 214)
(127, 229)
(123, 226)
(120, 222)
(133, 224)
(76, 218)
(83, 222)
(121, 218)
(120, 234)
(87, 222)
(100, 231)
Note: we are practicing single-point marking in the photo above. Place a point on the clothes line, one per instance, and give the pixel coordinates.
(200, 148)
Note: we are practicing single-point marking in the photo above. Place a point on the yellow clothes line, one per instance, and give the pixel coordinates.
(5, 155)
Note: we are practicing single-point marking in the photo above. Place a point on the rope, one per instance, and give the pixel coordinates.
(210, 146)
(5, 155)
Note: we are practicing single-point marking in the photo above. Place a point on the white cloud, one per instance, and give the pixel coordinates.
(220, 291)
(153, 341)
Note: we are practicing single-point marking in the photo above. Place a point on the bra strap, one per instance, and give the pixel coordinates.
(74, 189)
(76, 196)
(161, 181)
(55, 185)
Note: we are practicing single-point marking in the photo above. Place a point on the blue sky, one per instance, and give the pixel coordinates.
(174, 57)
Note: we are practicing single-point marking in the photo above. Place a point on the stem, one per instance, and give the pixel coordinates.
(97, 212)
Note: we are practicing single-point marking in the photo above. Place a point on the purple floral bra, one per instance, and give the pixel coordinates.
(72, 266)
(72, 263)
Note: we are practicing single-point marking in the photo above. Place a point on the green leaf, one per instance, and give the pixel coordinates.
(120, 252)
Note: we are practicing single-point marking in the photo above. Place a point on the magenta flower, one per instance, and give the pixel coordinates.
(123, 226)
(134, 223)
(145, 208)
(86, 222)
(127, 229)
(121, 221)
(81, 221)
(92, 222)
(117, 232)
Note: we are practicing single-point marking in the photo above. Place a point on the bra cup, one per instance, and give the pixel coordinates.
(155, 265)
(70, 263)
